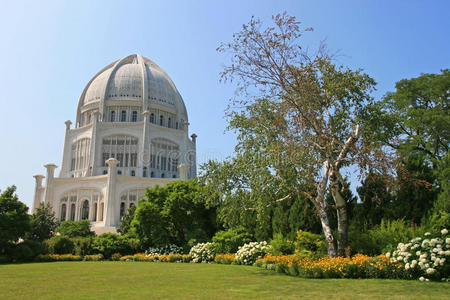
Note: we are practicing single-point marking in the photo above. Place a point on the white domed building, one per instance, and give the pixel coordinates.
(131, 132)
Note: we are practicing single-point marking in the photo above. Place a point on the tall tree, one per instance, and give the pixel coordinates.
(14, 219)
(43, 223)
(311, 106)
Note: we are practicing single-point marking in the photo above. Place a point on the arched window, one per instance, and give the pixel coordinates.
(134, 116)
(169, 123)
(144, 172)
(123, 116)
(133, 173)
(162, 175)
(63, 212)
(113, 116)
(122, 147)
(72, 212)
(119, 172)
(105, 172)
(122, 209)
(152, 174)
(95, 211)
(85, 210)
(102, 210)
(152, 118)
(174, 176)
(161, 120)
(80, 153)
(176, 125)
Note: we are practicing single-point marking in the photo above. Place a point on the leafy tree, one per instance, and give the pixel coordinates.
(43, 223)
(75, 229)
(14, 219)
(228, 241)
(308, 109)
(125, 223)
(174, 213)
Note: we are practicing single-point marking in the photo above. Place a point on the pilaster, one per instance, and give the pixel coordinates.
(111, 216)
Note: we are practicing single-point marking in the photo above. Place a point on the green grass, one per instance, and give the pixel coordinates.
(143, 280)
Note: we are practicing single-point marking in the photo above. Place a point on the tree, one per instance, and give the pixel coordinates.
(43, 223)
(14, 219)
(308, 107)
(125, 223)
(75, 229)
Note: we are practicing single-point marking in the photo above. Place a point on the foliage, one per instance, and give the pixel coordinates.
(42, 223)
(60, 245)
(249, 253)
(14, 219)
(164, 250)
(125, 223)
(358, 266)
(424, 258)
(115, 256)
(58, 257)
(228, 241)
(174, 213)
(309, 245)
(381, 238)
(75, 228)
(172, 257)
(202, 252)
(108, 244)
(83, 245)
(93, 257)
(281, 245)
(225, 259)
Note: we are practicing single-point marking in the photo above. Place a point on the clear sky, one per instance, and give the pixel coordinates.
(51, 49)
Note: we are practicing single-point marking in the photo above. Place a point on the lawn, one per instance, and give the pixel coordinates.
(143, 280)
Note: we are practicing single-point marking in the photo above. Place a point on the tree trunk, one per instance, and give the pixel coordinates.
(342, 220)
(331, 247)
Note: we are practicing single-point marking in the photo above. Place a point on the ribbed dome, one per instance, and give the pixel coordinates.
(133, 78)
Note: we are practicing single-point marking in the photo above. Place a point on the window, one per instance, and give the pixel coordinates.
(134, 116)
(119, 172)
(95, 211)
(72, 212)
(63, 212)
(144, 172)
(176, 125)
(161, 120)
(152, 174)
(152, 118)
(85, 210)
(105, 172)
(133, 173)
(162, 175)
(169, 124)
(174, 176)
(123, 117)
(113, 116)
(122, 209)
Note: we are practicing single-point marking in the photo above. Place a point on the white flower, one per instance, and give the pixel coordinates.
(427, 280)
(418, 253)
(427, 234)
(447, 240)
(431, 271)
(388, 255)
(444, 231)
(422, 278)
(399, 258)
(407, 266)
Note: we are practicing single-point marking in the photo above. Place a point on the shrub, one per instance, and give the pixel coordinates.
(21, 252)
(116, 256)
(424, 258)
(249, 253)
(229, 241)
(58, 257)
(109, 243)
(83, 245)
(309, 245)
(225, 259)
(202, 252)
(60, 245)
(94, 257)
(164, 250)
(75, 229)
(280, 245)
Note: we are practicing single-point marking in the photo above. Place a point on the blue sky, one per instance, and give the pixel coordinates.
(51, 49)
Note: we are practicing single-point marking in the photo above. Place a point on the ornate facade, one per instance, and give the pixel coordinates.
(131, 132)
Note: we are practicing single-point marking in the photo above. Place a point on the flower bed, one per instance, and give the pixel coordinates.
(58, 257)
(225, 259)
(173, 257)
(358, 266)
(249, 253)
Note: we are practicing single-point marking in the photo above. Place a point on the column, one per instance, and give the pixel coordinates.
(37, 192)
(144, 155)
(111, 213)
(48, 198)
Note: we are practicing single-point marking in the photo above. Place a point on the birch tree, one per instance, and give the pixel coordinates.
(308, 105)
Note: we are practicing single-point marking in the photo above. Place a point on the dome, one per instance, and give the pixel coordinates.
(133, 78)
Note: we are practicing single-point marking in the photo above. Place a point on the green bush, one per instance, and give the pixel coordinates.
(309, 245)
(281, 245)
(116, 256)
(21, 252)
(83, 245)
(94, 257)
(381, 238)
(109, 243)
(230, 240)
(75, 229)
(60, 245)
